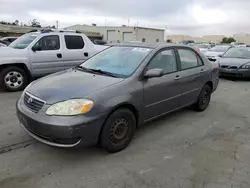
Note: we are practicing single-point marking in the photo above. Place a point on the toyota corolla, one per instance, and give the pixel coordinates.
(107, 97)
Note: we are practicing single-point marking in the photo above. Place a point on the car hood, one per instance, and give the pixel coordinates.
(8, 52)
(69, 84)
(233, 61)
(212, 54)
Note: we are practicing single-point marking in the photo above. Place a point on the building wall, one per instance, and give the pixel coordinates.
(213, 38)
(205, 38)
(150, 35)
(137, 33)
(179, 38)
(245, 38)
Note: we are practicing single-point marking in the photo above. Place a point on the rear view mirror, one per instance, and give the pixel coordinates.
(153, 73)
(36, 48)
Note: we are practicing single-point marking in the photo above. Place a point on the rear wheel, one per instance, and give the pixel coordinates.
(13, 79)
(118, 130)
(204, 98)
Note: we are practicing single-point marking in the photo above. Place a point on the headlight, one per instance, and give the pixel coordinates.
(70, 107)
(246, 66)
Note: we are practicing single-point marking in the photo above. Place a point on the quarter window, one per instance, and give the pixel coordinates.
(74, 42)
(188, 59)
(164, 60)
(51, 42)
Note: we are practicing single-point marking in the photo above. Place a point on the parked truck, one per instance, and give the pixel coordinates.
(40, 53)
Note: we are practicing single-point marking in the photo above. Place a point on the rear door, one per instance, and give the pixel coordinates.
(75, 51)
(193, 75)
(49, 58)
(162, 95)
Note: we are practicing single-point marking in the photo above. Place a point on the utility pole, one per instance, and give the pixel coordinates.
(128, 21)
(57, 24)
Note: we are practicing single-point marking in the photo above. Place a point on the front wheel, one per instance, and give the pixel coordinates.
(13, 79)
(204, 98)
(118, 130)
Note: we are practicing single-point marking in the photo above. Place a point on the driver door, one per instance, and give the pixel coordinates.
(162, 94)
(49, 58)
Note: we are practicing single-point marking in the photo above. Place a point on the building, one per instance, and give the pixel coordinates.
(16, 31)
(123, 33)
(205, 38)
(179, 38)
(242, 37)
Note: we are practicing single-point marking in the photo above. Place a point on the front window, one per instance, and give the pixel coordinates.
(119, 61)
(219, 49)
(238, 53)
(23, 41)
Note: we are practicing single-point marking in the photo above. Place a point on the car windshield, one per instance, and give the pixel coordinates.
(23, 41)
(219, 49)
(119, 61)
(238, 53)
(202, 46)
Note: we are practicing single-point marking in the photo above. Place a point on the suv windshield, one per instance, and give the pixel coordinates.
(23, 41)
(238, 53)
(119, 61)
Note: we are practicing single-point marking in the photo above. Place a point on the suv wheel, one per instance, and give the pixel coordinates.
(204, 98)
(13, 79)
(118, 130)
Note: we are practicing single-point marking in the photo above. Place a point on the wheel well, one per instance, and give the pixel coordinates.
(127, 106)
(19, 65)
(210, 83)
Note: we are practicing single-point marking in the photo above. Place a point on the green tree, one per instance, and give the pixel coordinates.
(228, 40)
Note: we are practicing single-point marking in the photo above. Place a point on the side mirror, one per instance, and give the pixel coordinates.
(152, 73)
(36, 48)
(220, 55)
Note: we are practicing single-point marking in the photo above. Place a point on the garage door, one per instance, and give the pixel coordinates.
(128, 36)
(111, 36)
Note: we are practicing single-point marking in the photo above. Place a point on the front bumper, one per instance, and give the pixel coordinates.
(239, 73)
(59, 131)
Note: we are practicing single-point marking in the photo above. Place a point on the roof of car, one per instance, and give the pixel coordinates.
(146, 45)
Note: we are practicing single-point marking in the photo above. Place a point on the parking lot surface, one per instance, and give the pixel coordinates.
(184, 149)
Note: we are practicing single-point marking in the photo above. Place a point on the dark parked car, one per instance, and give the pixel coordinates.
(106, 98)
(235, 62)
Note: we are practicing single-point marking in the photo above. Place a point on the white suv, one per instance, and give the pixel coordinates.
(40, 53)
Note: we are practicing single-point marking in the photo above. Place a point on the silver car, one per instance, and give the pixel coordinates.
(235, 63)
(214, 53)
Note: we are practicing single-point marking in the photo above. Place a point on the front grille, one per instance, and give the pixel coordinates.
(33, 103)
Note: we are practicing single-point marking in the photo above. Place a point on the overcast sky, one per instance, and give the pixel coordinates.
(191, 17)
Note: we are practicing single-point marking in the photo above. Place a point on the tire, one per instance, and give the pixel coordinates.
(203, 99)
(13, 79)
(121, 122)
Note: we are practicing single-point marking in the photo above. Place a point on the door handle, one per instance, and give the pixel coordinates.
(59, 55)
(177, 77)
(202, 70)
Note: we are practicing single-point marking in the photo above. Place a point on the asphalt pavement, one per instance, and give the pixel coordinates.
(185, 149)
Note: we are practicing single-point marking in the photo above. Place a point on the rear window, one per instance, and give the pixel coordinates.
(74, 42)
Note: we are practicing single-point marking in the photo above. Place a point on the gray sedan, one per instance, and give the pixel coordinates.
(110, 95)
(235, 62)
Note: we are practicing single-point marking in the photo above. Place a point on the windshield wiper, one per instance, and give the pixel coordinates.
(84, 69)
(103, 72)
